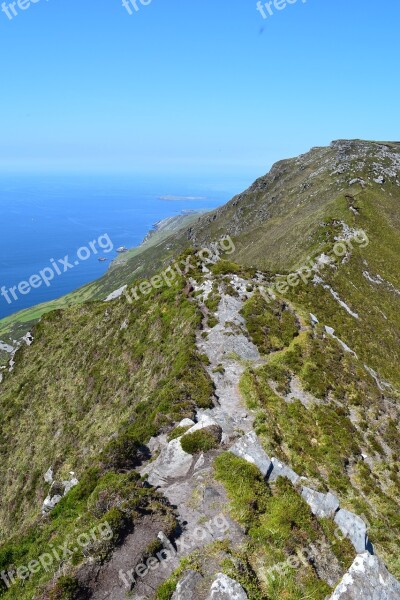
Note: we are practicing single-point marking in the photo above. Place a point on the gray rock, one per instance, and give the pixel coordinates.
(173, 463)
(281, 470)
(48, 476)
(313, 319)
(354, 528)
(225, 588)
(50, 502)
(249, 448)
(68, 485)
(186, 423)
(367, 579)
(322, 505)
(204, 422)
(186, 588)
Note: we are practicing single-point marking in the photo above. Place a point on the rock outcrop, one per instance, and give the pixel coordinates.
(225, 588)
(367, 579)
(250, 449)
(322, 505)
(355, 529)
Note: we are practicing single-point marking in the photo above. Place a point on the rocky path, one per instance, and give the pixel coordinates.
(186, 481)
(200, 502)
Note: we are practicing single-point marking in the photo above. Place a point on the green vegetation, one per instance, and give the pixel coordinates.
(271, 326)
(202, 440)
(177, 432)
(320, 440)
(97, 514)
(280, 525)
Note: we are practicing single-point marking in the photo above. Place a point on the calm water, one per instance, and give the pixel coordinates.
(45, 218)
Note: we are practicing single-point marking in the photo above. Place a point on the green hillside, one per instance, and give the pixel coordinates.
(102, 380)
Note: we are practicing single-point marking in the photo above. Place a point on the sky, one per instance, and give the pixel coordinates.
(202, 87)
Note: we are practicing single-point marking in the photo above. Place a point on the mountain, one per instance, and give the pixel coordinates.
(235, 426)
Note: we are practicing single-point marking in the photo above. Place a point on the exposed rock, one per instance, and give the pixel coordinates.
(186, 423)
(6, 347)
(330, 331)
(124, 325)
(68, 485)
(281, 470)
(50, 502)
(173, 462)
(367, 579)
(116, 294)
(322, 505)
(225, 588)
(186, 588)
(314, 319)
(57, 490)
(204, 422)
(48, 476)
(354, 528)
(28, 338)
(249, 448)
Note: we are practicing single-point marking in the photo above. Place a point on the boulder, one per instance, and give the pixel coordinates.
(367, 579)
(354, 528)
(48, 476)
(249, 448)
(173, 463)
(279, 469)
(186, 588)
(225, 588)
(322, 505)
(50, 502)
(186, 423)
(204, 422)
(68, 485)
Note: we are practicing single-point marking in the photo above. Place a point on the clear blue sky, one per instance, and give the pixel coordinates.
(194, 86)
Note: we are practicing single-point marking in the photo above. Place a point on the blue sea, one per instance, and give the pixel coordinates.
(44, 218)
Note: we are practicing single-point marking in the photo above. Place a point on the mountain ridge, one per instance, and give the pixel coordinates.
(173, 385)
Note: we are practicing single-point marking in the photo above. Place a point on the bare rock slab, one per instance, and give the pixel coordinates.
(354, 528)
(322, 505)
(172, 463)
(279, 469)
(225, 588)
(249, 448)
(367, 579)
(186, 588)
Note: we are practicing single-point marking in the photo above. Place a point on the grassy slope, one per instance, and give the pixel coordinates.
(87, 378)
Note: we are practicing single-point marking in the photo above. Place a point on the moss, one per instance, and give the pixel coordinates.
(202, 440)
(271, 326)
(68, 588)
(279, 524)
(178, 432)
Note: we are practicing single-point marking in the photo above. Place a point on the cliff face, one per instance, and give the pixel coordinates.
(237, 424)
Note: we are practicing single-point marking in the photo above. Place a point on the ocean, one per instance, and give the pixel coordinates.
(44, 218)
